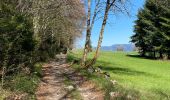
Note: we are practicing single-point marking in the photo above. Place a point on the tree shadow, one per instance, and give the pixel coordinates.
(125, 71)
(141, 57)
(108, 86)
(111, 67)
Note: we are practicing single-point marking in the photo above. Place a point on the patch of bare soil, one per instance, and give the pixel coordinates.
(53, 85)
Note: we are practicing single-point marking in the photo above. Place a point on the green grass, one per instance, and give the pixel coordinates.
(20, 83)
(149, 79)
(100, 80)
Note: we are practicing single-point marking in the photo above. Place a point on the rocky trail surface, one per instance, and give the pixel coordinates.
(60, 82)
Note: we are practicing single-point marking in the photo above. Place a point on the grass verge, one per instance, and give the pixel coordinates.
(21, 84)
(118, 91)
(137, 77)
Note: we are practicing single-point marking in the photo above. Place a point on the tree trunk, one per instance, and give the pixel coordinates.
(143, 53)
(154, 54)
(88, 34)
(160, 55)
(94, 16)
(168, 55)
(101, 34)
(88, 47)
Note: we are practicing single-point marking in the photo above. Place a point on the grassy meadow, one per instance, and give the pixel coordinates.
(147, 78)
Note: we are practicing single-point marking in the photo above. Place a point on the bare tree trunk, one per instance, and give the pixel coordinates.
(36, 25)
(154, 54)
(89, 29)
(108, 5)
(88, 34)
(161, 54)
(101, 32)
(95, 14)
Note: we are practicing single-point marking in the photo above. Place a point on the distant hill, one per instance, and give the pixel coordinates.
(125, 47)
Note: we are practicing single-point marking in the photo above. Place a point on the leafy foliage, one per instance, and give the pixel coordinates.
(152, 28)
(33, 31)
(16, 33)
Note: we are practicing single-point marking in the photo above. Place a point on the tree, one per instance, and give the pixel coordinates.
(90, 24)
(139, 38)
(165, 30)
(35, 30)
(149, 35)
(16, 40)
(110, 6)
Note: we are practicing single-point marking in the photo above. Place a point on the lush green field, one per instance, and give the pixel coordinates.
(150, 78)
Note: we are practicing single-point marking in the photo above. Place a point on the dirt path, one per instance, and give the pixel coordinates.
(53, 86)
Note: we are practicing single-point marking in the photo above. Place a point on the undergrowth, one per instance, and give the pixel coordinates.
(22, 83)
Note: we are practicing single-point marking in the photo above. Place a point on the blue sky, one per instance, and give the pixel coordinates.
(119, 27)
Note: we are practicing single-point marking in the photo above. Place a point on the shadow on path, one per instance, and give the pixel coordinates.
(54, 87)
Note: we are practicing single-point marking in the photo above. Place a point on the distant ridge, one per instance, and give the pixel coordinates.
(125, 47)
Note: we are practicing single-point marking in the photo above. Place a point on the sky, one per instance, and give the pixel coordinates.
(119, 28)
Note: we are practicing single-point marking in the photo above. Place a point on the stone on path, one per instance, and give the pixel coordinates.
(52, 86)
